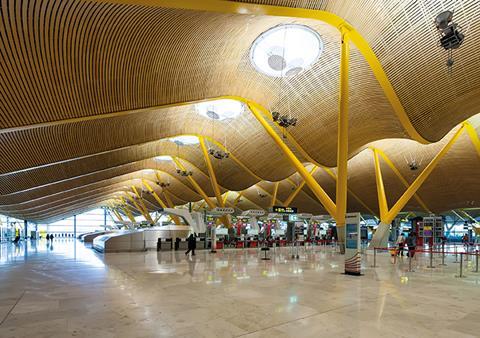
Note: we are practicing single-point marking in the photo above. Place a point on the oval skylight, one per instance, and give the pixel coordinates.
(220, 109)
(286, 50)
(185, 140)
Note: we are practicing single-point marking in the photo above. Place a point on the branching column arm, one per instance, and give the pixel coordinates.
(412, 189)
(211, 172)
(309, 180)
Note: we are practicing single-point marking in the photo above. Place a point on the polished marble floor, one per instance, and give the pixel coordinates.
(65, 289)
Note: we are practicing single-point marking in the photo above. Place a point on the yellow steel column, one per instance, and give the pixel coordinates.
(200, 206)
(382, 199)
(142, 208)
(342, 143)
(402, 179)
(274, 196)
(116, 213)
(127, 211)
(154, 194)
(293, 194)
(473, 136)
(168, 199)
(329, 172)
(211, 173)
(297, 190)
(309, 180)
(237, 199)
(175, 219)
(197, 187)
(412, 189)
(225, 197)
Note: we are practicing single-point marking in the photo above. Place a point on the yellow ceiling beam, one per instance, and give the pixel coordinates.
(295, 192)
(382, 198)
(342, 134)
(310, 181)
(412, 189)
(237, 199)
(127, 211)
(211, 172)
(359, 200)
(175, 219)
(274, 196)
(140, 207)
(197, 187)
(339, 23)
(154, 194)
(225, 197)
(402, 179)
(472, 133)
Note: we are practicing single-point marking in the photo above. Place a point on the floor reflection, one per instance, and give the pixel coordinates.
(64, 288)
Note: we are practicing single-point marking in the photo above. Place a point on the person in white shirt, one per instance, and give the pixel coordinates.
(400, 244)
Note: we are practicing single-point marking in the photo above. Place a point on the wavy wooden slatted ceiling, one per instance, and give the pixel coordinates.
(83, 86)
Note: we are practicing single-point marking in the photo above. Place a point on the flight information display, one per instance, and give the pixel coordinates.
(284, 210)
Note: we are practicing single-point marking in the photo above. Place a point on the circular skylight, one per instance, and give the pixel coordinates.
(185, 140)
(164, 158)
(286, 50)
(220, 109)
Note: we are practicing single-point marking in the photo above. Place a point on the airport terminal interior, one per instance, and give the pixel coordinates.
(239, 168)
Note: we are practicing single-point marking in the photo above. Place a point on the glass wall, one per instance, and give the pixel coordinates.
(93, 220)
(9, 227)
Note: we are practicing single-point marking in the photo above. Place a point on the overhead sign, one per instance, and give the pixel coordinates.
(305, 216)
(223, 210)
(321, 217)
(254, 212)
(352, 244)
(284, 210)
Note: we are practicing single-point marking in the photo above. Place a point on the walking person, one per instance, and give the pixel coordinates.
(400, 244)
(192, 244)
(412, 244)
(465, 241)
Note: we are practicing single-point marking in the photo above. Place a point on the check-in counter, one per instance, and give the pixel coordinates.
(142, 239)
(90, 236)
(165, 232)
(121, 241)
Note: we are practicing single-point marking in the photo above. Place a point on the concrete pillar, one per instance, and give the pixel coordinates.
(105, 219)
(380, 238)
(75, 226)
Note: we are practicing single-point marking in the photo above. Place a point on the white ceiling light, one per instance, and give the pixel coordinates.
(286, 50)
(163, 158)
(148, 171)
(220, 109)
(185, 140)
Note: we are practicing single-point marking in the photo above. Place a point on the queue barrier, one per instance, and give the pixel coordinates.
(394, 252)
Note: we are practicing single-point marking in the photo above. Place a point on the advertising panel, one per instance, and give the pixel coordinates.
(352, 244)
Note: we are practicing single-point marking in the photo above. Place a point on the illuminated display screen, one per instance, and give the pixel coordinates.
(284, 210)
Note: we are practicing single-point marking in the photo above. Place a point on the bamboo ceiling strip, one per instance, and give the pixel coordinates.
(37, 210)
(69, 210)
(150, 46)
(126, 182)
(27, 179)
(70, 204)
(400, 32)
(361, 179)
(87, 179)
(69, 192)
(455, 183)
(38, 146)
